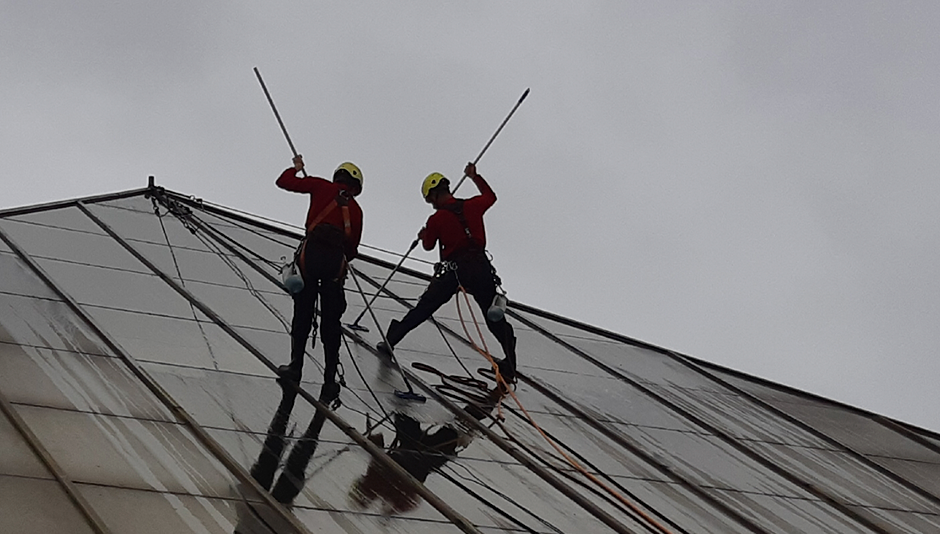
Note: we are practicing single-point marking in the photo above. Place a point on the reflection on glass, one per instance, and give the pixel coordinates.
(420, 450)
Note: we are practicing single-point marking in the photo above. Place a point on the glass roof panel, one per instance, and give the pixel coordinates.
(901, 521)
(784, 516)
(133, 218)
(740, 417)
(132, 511)
(848, 427)
(66, 218)
(33, 506)
(111, 288)
(75, 381)
(183, 342)
(845, 477)
(18, 459)
(45, 323)
(19, 279)
(76, 247)
(127, 452)
(925, 475)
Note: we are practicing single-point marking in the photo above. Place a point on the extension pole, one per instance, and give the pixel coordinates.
(355, 325)
(278, 116)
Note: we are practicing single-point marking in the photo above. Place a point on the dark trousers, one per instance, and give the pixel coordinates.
(322, 265)
(475, 274)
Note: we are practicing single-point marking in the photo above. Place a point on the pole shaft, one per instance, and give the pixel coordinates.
(278, 115)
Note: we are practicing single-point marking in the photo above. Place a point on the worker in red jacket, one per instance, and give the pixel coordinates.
(457, 225)
(333, 231)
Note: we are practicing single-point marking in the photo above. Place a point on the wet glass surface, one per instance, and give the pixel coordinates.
(33, 506)
(45, 323)
(846, 478)
(132, 511)
(18, 279)
(850, 428)
(75, 381)
(76, 247)
(100, 286)
(18, 459)
(784, 516)
(127, 452)
(900, 521)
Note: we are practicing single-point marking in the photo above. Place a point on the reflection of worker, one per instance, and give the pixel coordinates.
(419, 451)
(292, 478)
(258, 519)
(334, 228)
(457, 224)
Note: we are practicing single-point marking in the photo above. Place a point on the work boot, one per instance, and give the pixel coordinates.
(329, 392)
(288, 373)
(507, 370)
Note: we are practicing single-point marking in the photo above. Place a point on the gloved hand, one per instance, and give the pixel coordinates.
(471, 170)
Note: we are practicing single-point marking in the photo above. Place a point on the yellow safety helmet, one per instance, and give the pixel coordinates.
(433, 180)
(352, 170)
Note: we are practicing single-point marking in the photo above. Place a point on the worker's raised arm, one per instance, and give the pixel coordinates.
(485, 190)
(289, 181)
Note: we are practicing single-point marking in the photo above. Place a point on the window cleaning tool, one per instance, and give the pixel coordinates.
(411, 394)
(355, 324)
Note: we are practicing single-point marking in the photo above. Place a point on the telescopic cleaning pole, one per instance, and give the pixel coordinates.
(278, 116)
(355, 324)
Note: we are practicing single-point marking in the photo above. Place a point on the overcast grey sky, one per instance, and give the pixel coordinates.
(751, 183)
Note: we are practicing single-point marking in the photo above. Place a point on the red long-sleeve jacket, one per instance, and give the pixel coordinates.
(445, 226)
(322, 193)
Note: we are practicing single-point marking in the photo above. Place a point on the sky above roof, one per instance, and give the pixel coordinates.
(751, 185)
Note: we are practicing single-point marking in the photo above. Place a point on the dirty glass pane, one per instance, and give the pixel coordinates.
(132, 511)
(34, 506)
(127, 452)
(76, 381)
(45, 323)
(18, 458)
(69, 245)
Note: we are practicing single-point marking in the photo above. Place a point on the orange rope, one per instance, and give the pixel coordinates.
(500, 380)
